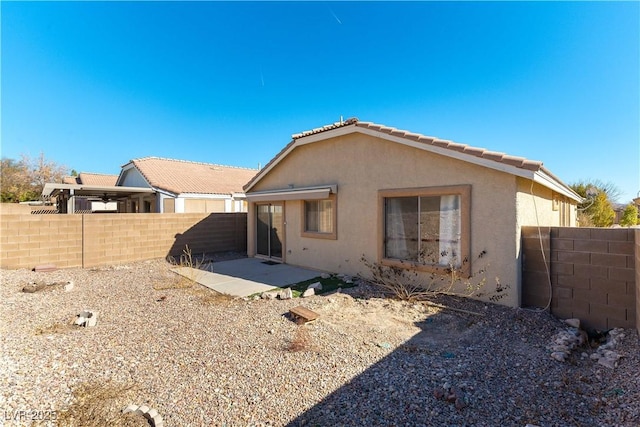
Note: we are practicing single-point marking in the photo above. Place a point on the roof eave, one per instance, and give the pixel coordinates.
(538, 173)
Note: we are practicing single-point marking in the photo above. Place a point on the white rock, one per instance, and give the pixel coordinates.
(68, 286)
(611, 364)
(316, 285)
(325, 275)
(559, 356)
(285, 294)
(308, 293)
(573, 322)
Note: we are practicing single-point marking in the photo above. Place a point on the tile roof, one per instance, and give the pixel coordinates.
(181, 176)
(87, 178)
(482, 153)
(496, 156)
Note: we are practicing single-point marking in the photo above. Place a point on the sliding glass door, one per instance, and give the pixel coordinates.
(270, 230)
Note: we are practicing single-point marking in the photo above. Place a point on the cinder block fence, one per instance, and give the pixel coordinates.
(594, 274)
(91, 240)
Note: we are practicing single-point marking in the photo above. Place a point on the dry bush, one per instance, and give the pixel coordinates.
(186, 260)
(100, 404)
(301, 340)
(178, 282)
(408, 284)
(211, 297)
(54, 328)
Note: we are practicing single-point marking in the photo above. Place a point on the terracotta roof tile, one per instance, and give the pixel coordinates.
(181, 176)
(89, 178)
(519, 162)
(70, 180)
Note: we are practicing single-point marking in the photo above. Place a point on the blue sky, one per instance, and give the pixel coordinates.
(93, 85)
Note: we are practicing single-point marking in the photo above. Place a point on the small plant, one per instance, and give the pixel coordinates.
(406, 283)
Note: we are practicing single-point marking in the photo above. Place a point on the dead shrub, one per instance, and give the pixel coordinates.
(407, 284)
(54, 328)
(210, 297)
(100, 404)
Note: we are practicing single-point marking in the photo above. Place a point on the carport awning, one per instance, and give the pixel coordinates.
(302, 193)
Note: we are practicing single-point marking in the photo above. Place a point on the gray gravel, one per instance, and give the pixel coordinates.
(205, 361)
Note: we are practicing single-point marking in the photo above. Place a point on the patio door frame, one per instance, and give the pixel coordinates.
(276, 230)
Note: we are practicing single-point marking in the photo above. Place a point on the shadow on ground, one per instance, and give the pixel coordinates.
(494, 385)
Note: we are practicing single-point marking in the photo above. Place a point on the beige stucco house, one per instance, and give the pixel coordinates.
(339, 192)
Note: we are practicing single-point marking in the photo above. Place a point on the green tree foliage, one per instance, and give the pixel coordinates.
(24, 179)
(629, 216)
(597, 209)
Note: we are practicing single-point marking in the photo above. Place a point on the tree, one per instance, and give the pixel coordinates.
(629, 216)
(597, 210)
(23, 180)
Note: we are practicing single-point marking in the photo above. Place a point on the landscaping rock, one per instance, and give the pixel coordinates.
(152, 416)
(87, 318)
(316, 285)
(308, 293)
(269, 295)
(575, 323)
(325, 275)
(285, 294)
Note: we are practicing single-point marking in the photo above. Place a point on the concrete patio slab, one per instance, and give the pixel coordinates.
(246, 276)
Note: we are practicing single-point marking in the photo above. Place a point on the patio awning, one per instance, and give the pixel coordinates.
(102, 192)
(302, 193)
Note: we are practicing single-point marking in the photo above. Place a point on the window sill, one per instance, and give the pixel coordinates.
(464, 270)
(317, 235)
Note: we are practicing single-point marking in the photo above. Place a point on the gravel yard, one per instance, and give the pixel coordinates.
(202, 360)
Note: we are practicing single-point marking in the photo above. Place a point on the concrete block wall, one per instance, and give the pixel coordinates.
(101, 239)
(28, 240)
(592, 273)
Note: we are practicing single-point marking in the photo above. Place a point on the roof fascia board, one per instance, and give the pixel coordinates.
(203, 196)
(547, 181)
(270, 166)
(131, 166)
(302, 141)
(539, 177)
(166, 193)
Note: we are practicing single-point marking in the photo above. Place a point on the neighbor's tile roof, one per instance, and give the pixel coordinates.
(519, 162)
(181, 176)
(86, 178)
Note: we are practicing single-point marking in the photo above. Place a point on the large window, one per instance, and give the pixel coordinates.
(319, 218)
(426, 228)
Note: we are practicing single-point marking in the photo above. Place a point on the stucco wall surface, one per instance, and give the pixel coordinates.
(361, 165)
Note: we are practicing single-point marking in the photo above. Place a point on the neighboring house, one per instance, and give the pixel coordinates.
(353, 189)
(85, 204)
(183, 186)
